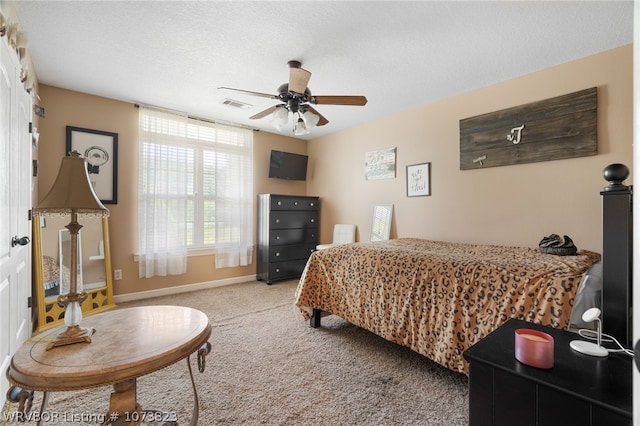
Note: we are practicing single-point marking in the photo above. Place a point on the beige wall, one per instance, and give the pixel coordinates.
(67, 108)
(512, 205)
(515, 205)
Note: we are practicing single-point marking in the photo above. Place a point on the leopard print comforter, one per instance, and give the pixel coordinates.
(439, 298)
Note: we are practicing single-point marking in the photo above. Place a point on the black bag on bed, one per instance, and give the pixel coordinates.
(554, 244)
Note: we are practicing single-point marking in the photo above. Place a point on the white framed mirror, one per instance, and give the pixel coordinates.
(381, 222)
(51, 251)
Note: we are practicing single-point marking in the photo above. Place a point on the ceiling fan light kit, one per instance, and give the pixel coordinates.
(296, 101)
(311, 119)
(305, 122)
(279, 118)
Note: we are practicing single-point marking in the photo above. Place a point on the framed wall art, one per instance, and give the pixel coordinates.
(101, 151)
(419, 180)
(380, 164)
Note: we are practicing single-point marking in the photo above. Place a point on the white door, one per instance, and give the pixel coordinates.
(15, 205)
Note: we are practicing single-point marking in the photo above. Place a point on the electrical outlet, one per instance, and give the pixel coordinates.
(117, 274)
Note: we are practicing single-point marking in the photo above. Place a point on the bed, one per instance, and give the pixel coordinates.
(439, 298)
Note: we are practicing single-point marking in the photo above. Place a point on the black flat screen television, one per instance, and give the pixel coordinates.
(287, 165)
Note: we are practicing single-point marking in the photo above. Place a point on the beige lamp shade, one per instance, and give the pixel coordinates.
(72, 191)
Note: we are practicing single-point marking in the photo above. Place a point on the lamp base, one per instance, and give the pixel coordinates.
(588, 348)
(73, 334)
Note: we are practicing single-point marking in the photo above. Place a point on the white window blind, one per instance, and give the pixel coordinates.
(195, 191)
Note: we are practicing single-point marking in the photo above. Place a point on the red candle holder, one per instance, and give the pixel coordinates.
(534, 348)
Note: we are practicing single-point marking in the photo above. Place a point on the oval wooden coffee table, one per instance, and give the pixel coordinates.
(128, 343)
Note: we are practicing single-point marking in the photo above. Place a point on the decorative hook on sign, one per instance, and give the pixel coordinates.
(480, 159)
(515, 135)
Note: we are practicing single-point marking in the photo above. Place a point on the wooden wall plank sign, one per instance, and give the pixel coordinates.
(551, 129)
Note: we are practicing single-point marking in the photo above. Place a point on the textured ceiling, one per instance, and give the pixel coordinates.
(400, 55)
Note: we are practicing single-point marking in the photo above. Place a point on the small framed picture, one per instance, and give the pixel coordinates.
(101, 151)
(419, 180)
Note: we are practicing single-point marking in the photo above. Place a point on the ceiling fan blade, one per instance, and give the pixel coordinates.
(266, 112)
(298, 79)
(322, 120)
(249, 92)
(339, 100)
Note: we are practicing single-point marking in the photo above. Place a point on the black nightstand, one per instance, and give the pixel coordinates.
(578, 390)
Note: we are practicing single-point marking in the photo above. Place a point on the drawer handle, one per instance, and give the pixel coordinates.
(312, 204)
(279, 203)
(313, 220)
(277, 254)
(277, 220)
(277, 237)
(295, 203)
(277, 269)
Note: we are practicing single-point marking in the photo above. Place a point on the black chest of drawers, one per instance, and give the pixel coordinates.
(288, 232)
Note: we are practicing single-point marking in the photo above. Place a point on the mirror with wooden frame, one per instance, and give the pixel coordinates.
(51, 266)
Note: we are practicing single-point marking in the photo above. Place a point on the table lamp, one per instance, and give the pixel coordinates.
(72, 193)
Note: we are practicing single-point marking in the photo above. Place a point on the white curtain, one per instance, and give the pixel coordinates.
(195, 191)
(163, 190)
(234, 197)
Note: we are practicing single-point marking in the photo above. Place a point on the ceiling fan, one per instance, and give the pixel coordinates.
(296, 98)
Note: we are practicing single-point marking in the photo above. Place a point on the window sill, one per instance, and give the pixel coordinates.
(201, 251)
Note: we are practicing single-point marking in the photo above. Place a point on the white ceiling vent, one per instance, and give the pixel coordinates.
(235, 104)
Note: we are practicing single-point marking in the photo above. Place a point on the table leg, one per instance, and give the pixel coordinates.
(22, 397)
(196, 404)
(43, 406)
(123, 407)
(203, 351)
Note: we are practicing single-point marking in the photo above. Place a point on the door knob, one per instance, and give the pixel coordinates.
(20, 241)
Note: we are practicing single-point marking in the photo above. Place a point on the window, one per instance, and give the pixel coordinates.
(195, 189)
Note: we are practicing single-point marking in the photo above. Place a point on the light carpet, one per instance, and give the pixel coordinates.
(268, 367)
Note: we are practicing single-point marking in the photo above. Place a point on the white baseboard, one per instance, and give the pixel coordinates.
(120, 298)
